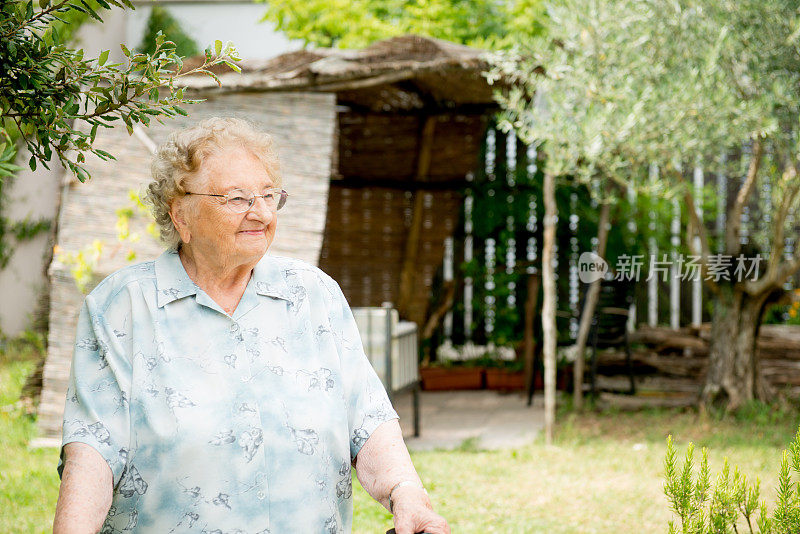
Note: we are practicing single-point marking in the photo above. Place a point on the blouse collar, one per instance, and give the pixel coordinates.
(173, 283)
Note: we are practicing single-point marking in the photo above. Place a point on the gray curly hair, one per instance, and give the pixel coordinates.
(180, 157)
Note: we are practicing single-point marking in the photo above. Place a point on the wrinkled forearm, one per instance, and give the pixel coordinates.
(86, 491)
(383, 461)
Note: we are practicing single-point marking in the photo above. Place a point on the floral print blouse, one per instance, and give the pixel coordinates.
(223, 424)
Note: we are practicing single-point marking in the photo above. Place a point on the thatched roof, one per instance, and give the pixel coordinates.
(401, 73)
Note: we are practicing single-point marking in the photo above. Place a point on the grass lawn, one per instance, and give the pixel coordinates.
(603, 475)
(28, 479)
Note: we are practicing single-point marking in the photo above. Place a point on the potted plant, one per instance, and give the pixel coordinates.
(451, 375)
(564, 372)
(505, 375)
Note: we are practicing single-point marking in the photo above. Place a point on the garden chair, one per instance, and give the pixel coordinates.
(608, 329)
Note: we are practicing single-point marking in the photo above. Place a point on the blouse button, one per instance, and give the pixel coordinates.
(261, 495)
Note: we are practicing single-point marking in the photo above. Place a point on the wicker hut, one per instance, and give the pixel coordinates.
(376, 146)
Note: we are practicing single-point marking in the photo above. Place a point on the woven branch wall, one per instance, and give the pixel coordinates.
(371, 201)
(377, 146)
(365, 240)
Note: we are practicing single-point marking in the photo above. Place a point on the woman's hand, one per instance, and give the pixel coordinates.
(413, 513)
(382, 463)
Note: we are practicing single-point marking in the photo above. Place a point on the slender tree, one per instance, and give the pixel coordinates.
(549, 306)
(564, 97)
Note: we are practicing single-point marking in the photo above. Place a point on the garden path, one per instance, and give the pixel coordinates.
(490, 419)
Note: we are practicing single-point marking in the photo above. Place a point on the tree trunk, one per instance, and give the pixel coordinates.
(549, 307)
(592, 296)
(733, 374)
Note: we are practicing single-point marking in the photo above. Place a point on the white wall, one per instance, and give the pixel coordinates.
(94, 37)
(32, 195)
(203, 21)
(228, 21)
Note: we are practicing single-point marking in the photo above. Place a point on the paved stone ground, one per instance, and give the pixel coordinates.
(448, 418)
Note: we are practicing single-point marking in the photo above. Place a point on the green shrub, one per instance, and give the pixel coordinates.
(733, 504)
(161, 20)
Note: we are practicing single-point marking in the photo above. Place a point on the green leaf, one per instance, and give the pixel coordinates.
(180, 111)
(91, 11)
(47, 36)
(212, 75)
(125, 50)
(103, 154)
(233, 66)
(217, 47)
(103, 57)
(128, 124)
(32, 163)
(8, 169)
(8, 151)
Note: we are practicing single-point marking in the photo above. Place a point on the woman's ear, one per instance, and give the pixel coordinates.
(177, 213)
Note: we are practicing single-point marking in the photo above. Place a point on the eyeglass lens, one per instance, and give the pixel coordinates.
(240, 200)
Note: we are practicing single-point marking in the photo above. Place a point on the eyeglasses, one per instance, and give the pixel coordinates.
(241, 200)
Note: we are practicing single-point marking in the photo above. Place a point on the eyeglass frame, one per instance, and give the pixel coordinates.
(281, 200)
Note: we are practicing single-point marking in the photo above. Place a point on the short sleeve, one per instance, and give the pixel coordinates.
(368, 405)
(97, 406)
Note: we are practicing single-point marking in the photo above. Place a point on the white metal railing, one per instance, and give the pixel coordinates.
(373, 327)
(405, 370)
(391, 348)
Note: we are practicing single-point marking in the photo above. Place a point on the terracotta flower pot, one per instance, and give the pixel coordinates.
(563, 380)
(503, 379)
(442, 379)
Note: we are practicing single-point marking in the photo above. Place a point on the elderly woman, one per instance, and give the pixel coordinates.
(221, 390)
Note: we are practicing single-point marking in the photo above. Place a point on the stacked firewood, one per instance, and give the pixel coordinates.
(673, 363)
